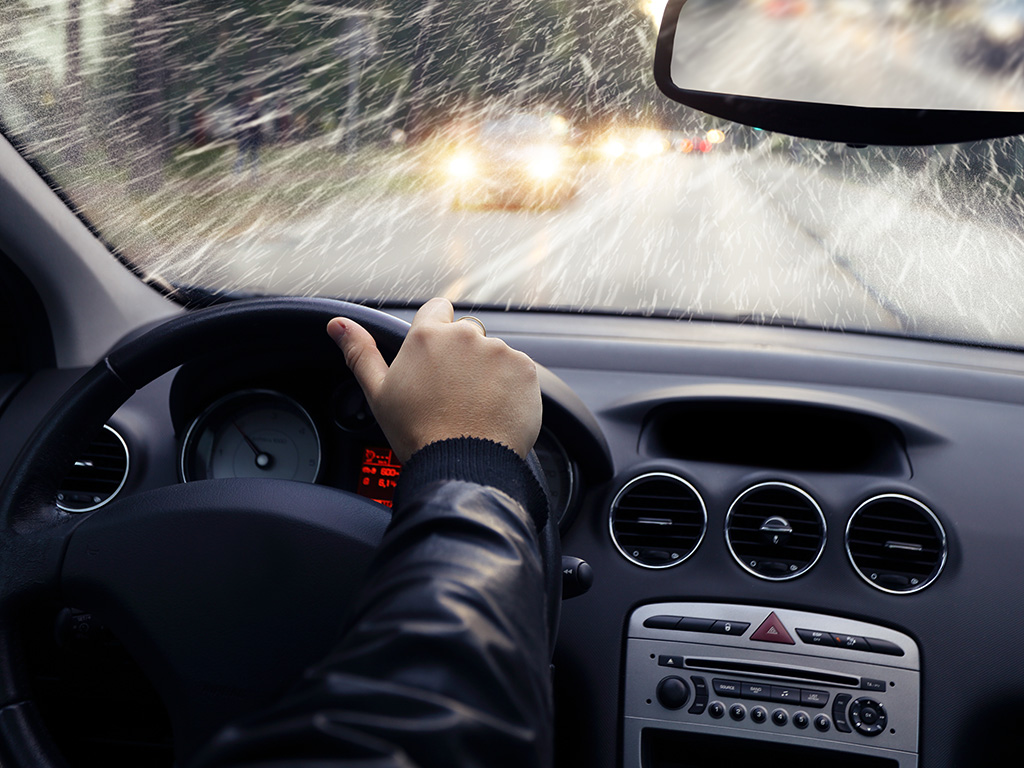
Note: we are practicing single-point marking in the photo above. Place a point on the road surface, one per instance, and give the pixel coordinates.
(742, 233)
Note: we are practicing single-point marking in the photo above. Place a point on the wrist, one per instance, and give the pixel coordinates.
(475, 460)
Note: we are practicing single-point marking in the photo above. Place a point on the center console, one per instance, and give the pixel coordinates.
(707, 681)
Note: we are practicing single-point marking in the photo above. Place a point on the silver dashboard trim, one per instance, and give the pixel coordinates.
(927, 511)
(124, 478)
(634, 481)
(814, 504)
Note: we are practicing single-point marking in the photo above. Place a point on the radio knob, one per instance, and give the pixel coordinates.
(868, 716)
(673, 692)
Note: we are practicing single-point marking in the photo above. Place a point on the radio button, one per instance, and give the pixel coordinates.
(784, 694)
(727, 687)
(700, 696)
(780, 717)
(801, 720)
(813, 698)
(821, 723)
(759, 714)
(673, 693)
(737, 712)
(868, 716)
(839, 712)
(716, 710)
(756, 691)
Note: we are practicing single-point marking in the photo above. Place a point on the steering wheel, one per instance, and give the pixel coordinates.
(223, 591)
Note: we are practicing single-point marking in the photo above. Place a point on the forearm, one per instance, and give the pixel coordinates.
(445, 659)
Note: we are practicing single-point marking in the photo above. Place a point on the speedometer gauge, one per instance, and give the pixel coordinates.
(253, 433)
(558, 474)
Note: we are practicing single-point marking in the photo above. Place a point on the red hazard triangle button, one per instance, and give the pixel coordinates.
(772, 631)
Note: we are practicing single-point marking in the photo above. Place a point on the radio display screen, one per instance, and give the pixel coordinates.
(378, 474)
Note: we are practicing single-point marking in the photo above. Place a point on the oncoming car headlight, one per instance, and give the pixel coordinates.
(613, 148)
(462, 166)
(543, 163)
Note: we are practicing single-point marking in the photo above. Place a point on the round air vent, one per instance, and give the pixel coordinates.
(896, 543)
(775, 531)
(98, 474)
(658, 520)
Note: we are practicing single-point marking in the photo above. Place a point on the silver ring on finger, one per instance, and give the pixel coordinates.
(475, 320)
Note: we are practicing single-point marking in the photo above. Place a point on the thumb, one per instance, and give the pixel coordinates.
(361, 354)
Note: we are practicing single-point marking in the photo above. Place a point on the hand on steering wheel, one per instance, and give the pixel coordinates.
(448, 380)
(215, 587)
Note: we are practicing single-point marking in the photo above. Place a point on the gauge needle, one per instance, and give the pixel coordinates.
(263, 460)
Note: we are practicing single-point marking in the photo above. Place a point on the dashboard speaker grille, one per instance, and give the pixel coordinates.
(658, 520)
(775, 531)
(98, 474)
(896, 543)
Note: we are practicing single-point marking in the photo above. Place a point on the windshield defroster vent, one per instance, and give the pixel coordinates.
(775, 531)
(896, 543)
(98, 474)
(658, 520)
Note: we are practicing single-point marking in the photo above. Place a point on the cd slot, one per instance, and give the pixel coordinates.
(771, 670)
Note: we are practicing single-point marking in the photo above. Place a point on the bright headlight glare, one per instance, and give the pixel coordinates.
(544, 163)
(461, 166)
(613, 149)
(649, 145)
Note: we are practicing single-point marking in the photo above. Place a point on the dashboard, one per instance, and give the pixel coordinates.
(863, 491)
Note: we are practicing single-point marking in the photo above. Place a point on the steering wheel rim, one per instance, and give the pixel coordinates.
(36, 536)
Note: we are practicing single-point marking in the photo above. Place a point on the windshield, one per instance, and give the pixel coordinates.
(510, 154)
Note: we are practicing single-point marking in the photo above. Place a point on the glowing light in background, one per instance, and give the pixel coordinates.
(462, 166)
(655, 9)
(613, 149)
(544, 162)
(649, 144)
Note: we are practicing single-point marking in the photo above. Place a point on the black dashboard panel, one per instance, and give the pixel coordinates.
(870, 416)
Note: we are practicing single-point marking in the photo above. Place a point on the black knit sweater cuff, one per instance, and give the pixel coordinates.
(475, 460)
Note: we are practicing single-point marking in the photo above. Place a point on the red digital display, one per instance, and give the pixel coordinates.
(379, 475)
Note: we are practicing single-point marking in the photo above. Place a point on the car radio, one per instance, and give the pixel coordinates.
(706, 679)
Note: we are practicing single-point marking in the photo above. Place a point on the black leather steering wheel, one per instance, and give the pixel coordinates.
(224, 591)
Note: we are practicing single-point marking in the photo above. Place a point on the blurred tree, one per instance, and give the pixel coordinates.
(73, 106)
(147, 129)
(420, 64)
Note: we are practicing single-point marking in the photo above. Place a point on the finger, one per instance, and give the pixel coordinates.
(361, 354)
(438, 310)
(476, 322)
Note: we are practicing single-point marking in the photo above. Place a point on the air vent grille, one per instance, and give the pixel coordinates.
(658, 520)
(896, 543)
(97, 476)
(775, 531)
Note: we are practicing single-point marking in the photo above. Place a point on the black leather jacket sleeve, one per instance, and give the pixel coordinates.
(445, 659)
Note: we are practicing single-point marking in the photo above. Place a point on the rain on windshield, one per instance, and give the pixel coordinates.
(510, 154)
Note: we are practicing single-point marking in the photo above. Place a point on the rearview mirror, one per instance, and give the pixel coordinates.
(905, 72)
